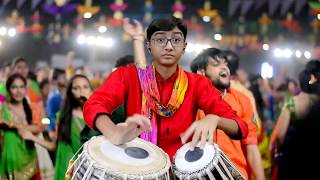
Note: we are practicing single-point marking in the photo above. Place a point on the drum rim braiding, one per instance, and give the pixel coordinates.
(118, 174)
(195, 174)
(218, 156)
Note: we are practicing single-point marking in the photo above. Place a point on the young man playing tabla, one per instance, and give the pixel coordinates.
(161, 99)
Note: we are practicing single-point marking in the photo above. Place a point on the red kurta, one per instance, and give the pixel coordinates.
(122, 86)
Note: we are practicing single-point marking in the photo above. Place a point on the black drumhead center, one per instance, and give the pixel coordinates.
(195, 155)
(136, 152)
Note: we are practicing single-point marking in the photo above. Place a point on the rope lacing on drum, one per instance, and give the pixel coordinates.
(202, 172)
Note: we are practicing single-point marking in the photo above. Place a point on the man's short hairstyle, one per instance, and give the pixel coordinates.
(166, 24)
(233, 61)
(17, 60)
(202, 60)
(57, 72)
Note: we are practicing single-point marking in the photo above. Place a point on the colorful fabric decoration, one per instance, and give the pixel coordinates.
(60, 3)
(178, 9)
(193, 24)
(291, 24)
(264, 22)
(148, 9)
(36, 28)
(118, 6)
(88, 8)
(14, 19)
(314, 8)
(35, 3)
(55, 9)
(207, 11)
(151, 104)
(217, 23)
(79, 21)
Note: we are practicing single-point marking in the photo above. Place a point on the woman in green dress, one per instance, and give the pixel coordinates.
(18, 158)
(71, 123)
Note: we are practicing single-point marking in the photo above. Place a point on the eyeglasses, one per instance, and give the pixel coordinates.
(162, 42)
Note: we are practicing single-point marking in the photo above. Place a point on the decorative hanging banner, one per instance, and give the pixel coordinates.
(118, 6)
(34, 4)
(5, 2)
(14, 18)
(314, 8)
(79, 21)
(148, 9)
(246, 5)
(235, 40)
(88, 8)
(178, 9)
(217, 24)
(36, 28)
(193, 24)
(60, 2)
(259, 4)
(273, 6)
(291, 24)
(207, 11)
(49, 1)
(264, 22)
(20, 3)
(233, 7)
(299, 4)
(285, 6)
(55, 10)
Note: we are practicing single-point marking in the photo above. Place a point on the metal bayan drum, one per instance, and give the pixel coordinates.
(209, 163)
(135, 160)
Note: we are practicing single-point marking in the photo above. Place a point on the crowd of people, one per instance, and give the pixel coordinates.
(267, 127)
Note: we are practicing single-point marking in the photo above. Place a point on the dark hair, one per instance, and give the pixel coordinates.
(255, 89)
(233, 61)
(56, 73)
(18, 60)
(166, 24)
(43, 83)
(26, 107)
(201, 61)
(311, 68)
(66, 111)
(32, 76)
(125, 60)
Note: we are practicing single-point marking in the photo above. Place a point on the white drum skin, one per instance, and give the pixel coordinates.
(137, 159)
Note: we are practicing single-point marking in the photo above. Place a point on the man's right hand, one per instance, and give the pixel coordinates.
(130, 129)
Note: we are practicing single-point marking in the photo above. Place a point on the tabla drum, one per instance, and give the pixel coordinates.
(135, 160)
(208, 163)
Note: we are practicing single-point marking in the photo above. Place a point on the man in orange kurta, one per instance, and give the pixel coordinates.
(212, 64)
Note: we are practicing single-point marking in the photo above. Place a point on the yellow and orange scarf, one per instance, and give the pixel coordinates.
(151, 104)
